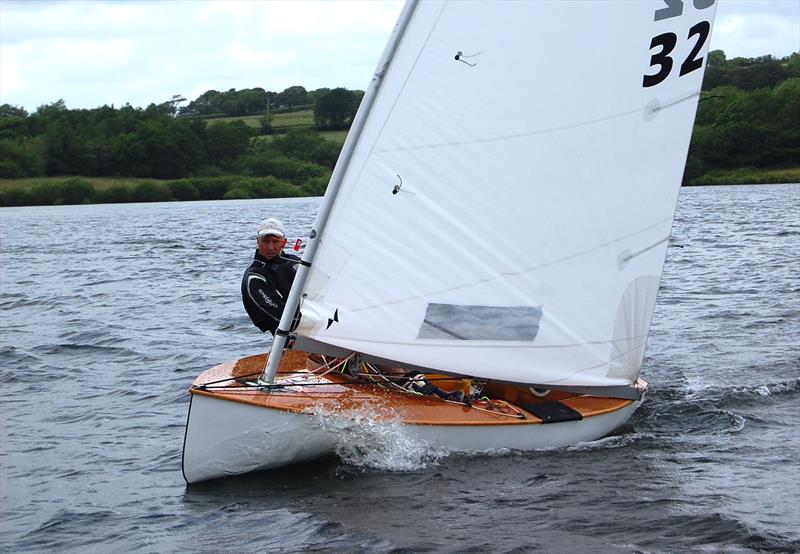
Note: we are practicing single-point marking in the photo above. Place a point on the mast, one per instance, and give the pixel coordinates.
(282, 333)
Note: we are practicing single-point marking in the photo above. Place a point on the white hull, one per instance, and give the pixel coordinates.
(225, 438)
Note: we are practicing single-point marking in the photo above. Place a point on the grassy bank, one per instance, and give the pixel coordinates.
(49, 191)
(99, 183)
(748, 176)
(284, 122)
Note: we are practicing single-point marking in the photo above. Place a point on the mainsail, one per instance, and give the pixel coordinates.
(506, 210)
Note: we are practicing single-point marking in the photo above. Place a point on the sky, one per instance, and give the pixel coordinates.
(92, 53)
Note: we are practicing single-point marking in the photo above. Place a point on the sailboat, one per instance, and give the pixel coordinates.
(483, 269)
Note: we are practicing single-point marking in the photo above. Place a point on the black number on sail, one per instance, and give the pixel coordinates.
(667, 42)
(692, 62)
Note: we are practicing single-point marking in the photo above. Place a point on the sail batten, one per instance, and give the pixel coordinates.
(508, 205)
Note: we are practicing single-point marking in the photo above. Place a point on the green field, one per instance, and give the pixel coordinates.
(249, 120)
(333, 136)
(293, 120)
(283, 122)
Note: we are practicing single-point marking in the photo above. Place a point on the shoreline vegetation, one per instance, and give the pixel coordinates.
(71, 190)
(253, 143)
(747, 176)
(66, 190)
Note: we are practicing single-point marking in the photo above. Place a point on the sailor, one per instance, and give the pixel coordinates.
(266, 283)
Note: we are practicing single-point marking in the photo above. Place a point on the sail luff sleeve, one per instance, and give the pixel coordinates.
(342, 164)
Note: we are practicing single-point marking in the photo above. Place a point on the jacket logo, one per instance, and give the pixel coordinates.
(267, 299)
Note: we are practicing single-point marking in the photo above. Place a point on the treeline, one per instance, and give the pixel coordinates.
(747, 118)
(749, 73)
(151, 143)
(160, 142)
(333, 108)
(199, 162)
(746, 122)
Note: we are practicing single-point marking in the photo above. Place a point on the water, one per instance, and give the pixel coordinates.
(108, 313)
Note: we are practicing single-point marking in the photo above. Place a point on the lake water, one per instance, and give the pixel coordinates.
(109, 311)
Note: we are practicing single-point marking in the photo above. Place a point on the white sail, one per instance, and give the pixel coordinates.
(508, 205)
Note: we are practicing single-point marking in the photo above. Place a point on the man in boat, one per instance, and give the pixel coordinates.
(266, 283)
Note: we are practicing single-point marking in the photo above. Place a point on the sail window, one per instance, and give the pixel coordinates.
(493, 323)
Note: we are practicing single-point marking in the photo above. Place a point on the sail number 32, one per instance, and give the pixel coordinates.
(666, 42)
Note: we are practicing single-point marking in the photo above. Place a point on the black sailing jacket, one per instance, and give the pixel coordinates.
(265, 287)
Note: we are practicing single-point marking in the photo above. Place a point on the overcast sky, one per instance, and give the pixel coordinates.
(140, 52)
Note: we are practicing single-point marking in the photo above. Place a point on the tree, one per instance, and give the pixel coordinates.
(294, 96)
(52, 110)
(792, 65)
(713, 104)
(316, 186)
(171, 150)
(316, 93)
(715, 70)
(736, 128)
(326, 154)
(335, 109)
(7, 110)
(227, 141)
(265, 122)
(128, 155)
(171, 105)
(13, 122)
(253, 101)
(231, 102)
(762, 75)
(66, 150)
(298, 143)
(21, 157)
(204, 104)
(269, 162)
(749, 73)
(787, 98)
(160, 147)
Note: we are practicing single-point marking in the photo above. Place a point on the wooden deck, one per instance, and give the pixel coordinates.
(306, 391)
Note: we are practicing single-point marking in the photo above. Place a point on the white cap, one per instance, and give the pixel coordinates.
(271, 226)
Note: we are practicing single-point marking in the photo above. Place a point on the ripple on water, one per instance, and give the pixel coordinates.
(97, 364)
